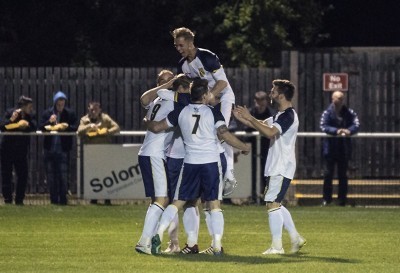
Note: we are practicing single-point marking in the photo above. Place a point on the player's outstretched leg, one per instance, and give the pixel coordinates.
(297, 240)
(173, 244)
(191, 219)
(275, 225)
(230, 182)
(166, 219)
(217, 223)
(150, 223)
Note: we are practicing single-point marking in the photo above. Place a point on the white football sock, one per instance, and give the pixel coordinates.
(275, 225)
(173, 230)
(208, 221)
(217, 223)
(229, 174)
(288, 224)
(153, 214)
(166, 219)
(191, 220)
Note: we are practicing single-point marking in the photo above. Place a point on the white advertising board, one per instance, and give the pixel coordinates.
(111, 171)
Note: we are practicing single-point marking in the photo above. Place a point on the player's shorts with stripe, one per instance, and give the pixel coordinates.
(174, 166)
(223, 162)
(223, 169)
(226, 107)
(276, 188)
(200, 180)
(154, 174)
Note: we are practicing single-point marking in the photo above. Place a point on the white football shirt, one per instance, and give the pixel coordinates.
(198, 123)
(206, 65)
(156, 144)
(281, 158)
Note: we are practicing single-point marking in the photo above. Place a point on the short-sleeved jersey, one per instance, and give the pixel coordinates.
(206, 65)
(176, 149)
(281, 158)
(157, 144)
(198, 123)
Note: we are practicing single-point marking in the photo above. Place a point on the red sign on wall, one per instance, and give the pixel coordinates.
(335, 81)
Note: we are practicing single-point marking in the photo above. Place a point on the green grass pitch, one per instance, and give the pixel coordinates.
(86, 238)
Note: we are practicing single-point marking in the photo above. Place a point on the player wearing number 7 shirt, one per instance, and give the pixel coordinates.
(202, 175)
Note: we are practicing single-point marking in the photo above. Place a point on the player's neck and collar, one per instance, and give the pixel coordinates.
(199, 102)
(192, 55)
(283, 106)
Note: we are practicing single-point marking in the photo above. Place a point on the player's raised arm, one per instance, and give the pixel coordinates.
(165, 80)
(264, 129)
(223, 133)
(157, 126)
(239, 117)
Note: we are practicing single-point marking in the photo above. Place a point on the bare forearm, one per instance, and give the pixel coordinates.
(234, 141)
(151, 94)
(218, 87)
(245, 122)
(157, 126)
(264, 129)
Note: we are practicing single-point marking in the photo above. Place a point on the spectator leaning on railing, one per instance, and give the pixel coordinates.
(58, 118)
(338, 120)
(14, 149)
(96, 128)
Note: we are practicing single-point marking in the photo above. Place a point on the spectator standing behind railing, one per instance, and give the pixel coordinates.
(338, 121)
(14, 149)
(58, 118)
(96, 128)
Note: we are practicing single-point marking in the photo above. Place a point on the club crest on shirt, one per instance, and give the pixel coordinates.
(202, 72)
(196, 109)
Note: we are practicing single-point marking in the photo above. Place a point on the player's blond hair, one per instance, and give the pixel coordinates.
(162, 72)
(183, 32)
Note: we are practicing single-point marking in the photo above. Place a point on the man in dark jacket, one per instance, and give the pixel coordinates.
(341, 122)
(56, 148)
(14, 149)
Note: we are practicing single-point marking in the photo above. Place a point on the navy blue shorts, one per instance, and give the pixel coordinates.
(174, 166)
(201, 180)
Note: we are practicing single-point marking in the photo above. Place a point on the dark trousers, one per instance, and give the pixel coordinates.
(56, 164)
(342, 165)
(17, 160)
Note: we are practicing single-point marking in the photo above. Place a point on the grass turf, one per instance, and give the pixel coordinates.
(101, 239)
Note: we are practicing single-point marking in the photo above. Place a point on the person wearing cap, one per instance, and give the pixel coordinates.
(58, 118)
(14, 149)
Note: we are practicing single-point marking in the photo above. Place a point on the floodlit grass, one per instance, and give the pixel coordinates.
(101, 239)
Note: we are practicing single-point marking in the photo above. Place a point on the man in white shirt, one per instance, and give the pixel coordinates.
(280, 167)
(202, 63)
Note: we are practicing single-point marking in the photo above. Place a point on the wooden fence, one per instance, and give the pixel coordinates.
(374, 80)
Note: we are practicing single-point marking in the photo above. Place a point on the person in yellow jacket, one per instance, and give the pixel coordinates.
(96, 128)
